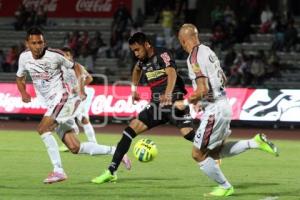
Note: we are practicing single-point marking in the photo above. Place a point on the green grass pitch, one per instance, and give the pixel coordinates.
(172, 175)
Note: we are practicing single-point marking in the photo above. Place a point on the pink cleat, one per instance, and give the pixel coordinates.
(126, 162)
(55, 177)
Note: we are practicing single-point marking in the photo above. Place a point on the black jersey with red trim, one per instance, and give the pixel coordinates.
(154, 70)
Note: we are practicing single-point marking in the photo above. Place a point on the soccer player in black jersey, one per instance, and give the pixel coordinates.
(158, 66)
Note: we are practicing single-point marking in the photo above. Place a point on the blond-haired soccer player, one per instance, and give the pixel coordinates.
(209, 89)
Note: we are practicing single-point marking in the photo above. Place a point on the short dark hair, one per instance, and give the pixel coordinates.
(68, 49)
(34, 31)
(139, 38)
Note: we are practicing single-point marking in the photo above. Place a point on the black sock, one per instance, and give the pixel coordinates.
(190, 136)
(122, 148)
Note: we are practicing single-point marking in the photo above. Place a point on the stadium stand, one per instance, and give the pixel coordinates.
(112, 61)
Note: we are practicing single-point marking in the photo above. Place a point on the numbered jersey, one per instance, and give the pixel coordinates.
(203, 62)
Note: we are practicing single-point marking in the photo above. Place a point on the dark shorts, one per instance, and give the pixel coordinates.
(153, 115)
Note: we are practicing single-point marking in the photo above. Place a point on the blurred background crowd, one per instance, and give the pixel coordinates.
(257, 41)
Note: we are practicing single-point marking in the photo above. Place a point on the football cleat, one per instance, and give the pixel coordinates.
(55, 177)
(220, 192)
(105, 177)
(265, 145)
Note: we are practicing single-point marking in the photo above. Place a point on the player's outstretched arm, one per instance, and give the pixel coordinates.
(21, 84)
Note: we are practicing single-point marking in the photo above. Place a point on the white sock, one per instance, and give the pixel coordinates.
(95, 149)
(213, 171)
(89, 132)
(52, 149)
(234, 148)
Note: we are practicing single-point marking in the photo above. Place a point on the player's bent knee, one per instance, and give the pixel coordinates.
(138, 126)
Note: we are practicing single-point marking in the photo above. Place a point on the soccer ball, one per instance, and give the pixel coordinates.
(145, 150)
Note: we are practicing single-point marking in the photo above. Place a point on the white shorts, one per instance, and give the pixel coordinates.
(215, 125)
(68, 125)
(63, 107)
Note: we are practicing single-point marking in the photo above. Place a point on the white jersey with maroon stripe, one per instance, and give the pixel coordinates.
(203, 62)
(45, 72)
(215, 122)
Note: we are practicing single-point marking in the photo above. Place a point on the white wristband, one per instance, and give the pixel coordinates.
(133, 88)
(186, 102)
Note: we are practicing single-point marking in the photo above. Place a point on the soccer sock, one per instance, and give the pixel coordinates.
(190, 136)
(95, 149)
(89, 132)
(122, 148)
(234, 148)
(52, 149)
(213, 171)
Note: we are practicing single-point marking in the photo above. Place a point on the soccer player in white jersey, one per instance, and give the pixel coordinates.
(72, 85)
(44, 65)
(209, 90)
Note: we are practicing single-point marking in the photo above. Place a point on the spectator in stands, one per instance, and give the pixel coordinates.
(290, 36)
(228, 60)
(73, 42)
(84, 39)
(218, 37)
(139, 19)
(278, 43)
(229, 16)
(216, 15)
(236, 70)
(258, 68)
(266, 18)
(30, 20)
(10, 64)
(125, 50)
(21, 17)
(97, 46)
(273, 65)
(41, 16)
(120, 22)
(167, 20)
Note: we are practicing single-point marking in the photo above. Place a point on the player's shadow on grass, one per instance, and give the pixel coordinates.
(241, 186)
(269, 194)
(140, 180)
(7, 187)
(253, 185)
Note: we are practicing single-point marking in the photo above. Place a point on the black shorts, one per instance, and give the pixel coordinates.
(153, 115)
